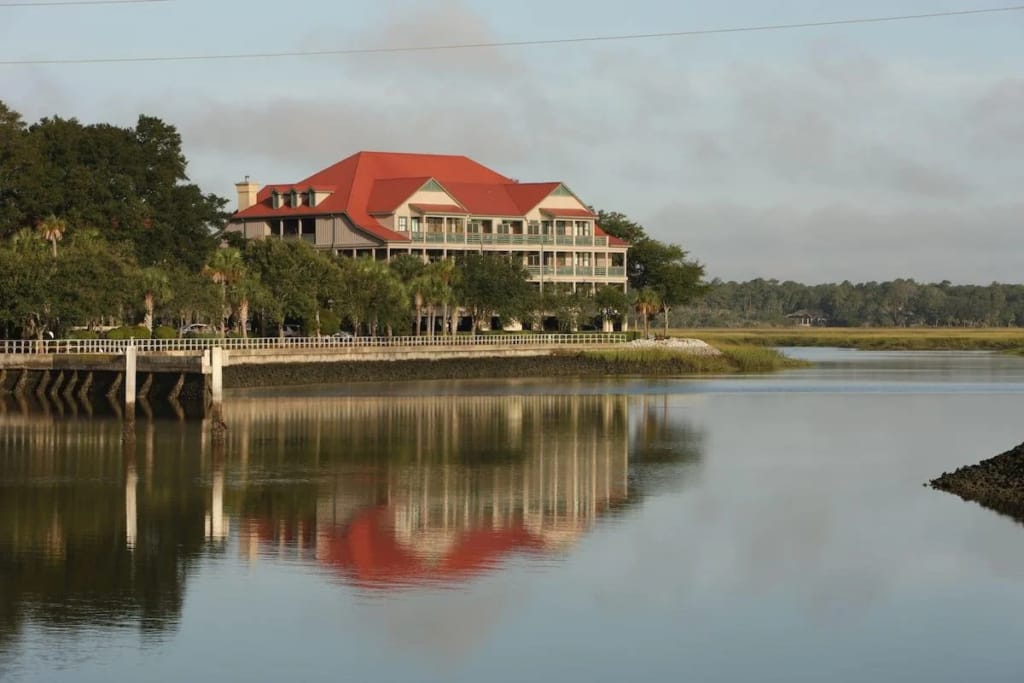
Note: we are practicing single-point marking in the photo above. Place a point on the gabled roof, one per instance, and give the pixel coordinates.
(386, 195)
(439, 208)
(371, 184)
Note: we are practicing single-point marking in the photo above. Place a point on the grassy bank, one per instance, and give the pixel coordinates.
(734, 358)
(605, 363)
(895, 339)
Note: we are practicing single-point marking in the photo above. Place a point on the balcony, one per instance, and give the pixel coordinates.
(501, 239)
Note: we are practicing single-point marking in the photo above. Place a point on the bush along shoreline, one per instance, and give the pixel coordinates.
(996, 483)
(636, 362)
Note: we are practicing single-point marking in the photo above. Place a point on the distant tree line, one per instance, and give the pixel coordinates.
(897, 303)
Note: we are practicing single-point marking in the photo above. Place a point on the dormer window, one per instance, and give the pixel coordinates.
(275, 199)
(294, 198)
(311, 197)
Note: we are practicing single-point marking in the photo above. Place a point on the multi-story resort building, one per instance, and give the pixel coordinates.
(436, 206)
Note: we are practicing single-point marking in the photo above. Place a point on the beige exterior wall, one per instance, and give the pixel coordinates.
(252, 230)
(421, 197)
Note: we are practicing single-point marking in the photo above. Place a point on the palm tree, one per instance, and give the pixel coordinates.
(52, 230)
(225, 267)
(647, 303)
(156, 286)
(444, 274)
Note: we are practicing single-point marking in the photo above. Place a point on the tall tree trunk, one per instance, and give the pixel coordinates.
(53, 242)
(430, 320)
(243, 316)
(150, 305)
(665, 310)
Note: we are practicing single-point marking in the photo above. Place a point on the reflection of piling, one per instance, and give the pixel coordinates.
(215, 367)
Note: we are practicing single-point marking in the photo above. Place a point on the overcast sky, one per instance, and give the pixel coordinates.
(855, 152)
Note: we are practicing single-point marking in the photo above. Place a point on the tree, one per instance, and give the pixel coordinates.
(409, 270)
(52, 230)
(225, 268)
(492, 284)
(288, 271)
(611, 303)
(647, 303)
(155, 286)
(128, 183)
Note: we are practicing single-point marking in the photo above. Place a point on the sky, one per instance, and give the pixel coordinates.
(864, 152)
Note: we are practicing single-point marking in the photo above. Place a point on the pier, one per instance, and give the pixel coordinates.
(129, 370)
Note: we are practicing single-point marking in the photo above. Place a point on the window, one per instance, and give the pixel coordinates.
(533, 228)
(504, 228)
(403, 224)
(583, 228)
(474, 227)
(275, 199)
(545, 227)
(415, 223)
(294, 198)
(311, 197)
(561, 227)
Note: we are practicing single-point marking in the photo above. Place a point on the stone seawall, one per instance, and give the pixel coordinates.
(562, 365)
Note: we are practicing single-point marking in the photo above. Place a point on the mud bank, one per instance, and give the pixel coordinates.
(996, 483)
(576, 365)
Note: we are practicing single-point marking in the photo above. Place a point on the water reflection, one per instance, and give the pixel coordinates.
(382, 493)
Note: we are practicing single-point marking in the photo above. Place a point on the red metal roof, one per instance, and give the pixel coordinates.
(439, 208)
(376, 183)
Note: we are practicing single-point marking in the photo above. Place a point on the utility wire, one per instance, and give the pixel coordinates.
(72, 3)
(510, 43)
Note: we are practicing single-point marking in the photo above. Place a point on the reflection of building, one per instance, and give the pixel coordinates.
(463, 482)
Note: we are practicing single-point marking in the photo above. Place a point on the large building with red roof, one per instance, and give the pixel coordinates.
(382, 204)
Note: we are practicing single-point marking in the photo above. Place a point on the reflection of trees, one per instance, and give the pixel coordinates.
(385, 491)
(69, 552)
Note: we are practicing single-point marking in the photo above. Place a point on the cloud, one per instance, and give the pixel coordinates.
(846, 241)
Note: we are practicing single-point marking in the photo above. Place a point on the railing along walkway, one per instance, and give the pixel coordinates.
(117, 346)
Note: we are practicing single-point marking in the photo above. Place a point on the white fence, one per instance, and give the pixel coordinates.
(29, 346)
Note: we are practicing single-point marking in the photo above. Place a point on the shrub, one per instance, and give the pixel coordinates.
(329, 322)
(128, 332)
(165, 332)
(83, 334)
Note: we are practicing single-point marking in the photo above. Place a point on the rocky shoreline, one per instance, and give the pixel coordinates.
(996, 483)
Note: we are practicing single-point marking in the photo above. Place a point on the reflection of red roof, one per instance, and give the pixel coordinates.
(371, 184)
(438, 208)
(368, 553)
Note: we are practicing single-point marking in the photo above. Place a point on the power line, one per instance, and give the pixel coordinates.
(510, 43)
(73, 3)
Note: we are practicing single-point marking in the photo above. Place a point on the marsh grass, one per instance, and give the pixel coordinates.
(658, 361)
(901, 339)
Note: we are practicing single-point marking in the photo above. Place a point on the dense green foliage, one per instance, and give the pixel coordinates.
(899, 303)
(128, 184)
(660, 274)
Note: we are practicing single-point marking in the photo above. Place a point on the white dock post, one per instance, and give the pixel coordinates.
(217, 374)
(131, 362)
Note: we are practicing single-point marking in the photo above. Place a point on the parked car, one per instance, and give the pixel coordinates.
(195, 329)
(342, 335)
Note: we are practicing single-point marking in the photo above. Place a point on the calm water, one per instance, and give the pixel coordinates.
(765, 528)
